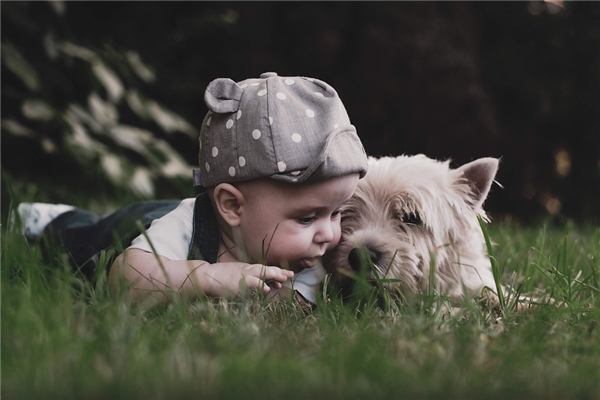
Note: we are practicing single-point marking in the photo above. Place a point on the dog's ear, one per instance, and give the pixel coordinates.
(479, 174)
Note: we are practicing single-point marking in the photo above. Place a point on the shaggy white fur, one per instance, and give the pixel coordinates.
(411, 212)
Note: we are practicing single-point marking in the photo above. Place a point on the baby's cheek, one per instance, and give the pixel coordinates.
(337, 234)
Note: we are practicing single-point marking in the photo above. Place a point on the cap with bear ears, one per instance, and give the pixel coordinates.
(292, 129)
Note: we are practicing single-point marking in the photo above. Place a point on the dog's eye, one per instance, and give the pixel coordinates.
(412, 218)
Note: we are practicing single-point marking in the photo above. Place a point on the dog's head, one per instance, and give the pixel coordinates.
(411, 212)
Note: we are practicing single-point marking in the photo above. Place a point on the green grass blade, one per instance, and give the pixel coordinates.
(494, 262)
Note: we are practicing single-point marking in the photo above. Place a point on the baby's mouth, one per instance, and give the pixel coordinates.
(309, 262)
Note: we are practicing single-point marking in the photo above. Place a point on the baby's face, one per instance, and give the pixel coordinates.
(297, 223)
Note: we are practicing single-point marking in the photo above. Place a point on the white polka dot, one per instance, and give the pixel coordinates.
(289, 81)
(207, 166)
(256, 134)
(239, 114)
(208, 121)
(310, 79)
(231, 171)
(319, 94)
(336, 126)
(254, 84)
(281, 96)
(310, 113)
(244, 85)
(296, 137)
(215, 151)
(229, 124)
(270, 121)
(294, 180)
(295, 173)
(262, 92)
(281, 166)
(241, 161)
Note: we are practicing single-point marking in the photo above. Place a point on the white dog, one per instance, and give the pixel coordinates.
(412, 212)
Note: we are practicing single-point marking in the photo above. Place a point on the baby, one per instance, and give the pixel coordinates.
(278, 157)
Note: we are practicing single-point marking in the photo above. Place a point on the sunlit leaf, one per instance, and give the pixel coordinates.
(104, 112)
(48, 145)
(141, 182)
(131, 137)
(138, 66)
(80, 139)
(136, 103)
(51, 46)
(58, 6)
(17, 63)
(74, 50)
(37, 109)
(112, 166)
(175, 166)
(77, 112)
(109, 80)
(13, 127)
(168, 120)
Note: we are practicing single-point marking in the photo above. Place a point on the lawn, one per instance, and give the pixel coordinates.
(63, 337)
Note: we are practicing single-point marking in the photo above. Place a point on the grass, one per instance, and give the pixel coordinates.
(63, 337)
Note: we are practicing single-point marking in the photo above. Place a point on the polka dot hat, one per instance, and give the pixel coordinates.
(292, 129)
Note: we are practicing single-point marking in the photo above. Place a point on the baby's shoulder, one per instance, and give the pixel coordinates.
(185, 209)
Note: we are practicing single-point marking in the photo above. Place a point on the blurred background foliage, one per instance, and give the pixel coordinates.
(106, 98)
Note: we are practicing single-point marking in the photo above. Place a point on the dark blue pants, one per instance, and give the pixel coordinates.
(83, 234)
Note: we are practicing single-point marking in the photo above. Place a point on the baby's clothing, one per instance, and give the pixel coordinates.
(83, 235)
(171, 234)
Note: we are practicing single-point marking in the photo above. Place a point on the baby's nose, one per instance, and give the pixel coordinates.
(325, 233)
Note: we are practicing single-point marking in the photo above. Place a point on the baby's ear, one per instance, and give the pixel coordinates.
(479, 175)
(228, 200)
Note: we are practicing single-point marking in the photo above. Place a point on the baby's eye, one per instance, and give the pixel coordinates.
(306, 220)
(335, 214)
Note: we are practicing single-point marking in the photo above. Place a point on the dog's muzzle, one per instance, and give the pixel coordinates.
(361, 258)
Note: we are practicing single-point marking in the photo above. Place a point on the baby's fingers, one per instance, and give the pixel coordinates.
(275, 274)
(252, 282)
(274, 284)
(262, 277)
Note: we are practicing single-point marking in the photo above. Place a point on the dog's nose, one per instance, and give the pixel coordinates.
(354, 258)
(359, 255)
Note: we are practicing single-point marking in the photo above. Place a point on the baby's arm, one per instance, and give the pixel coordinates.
(148, 275)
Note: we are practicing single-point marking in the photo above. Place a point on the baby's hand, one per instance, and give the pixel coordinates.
(231, 279)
